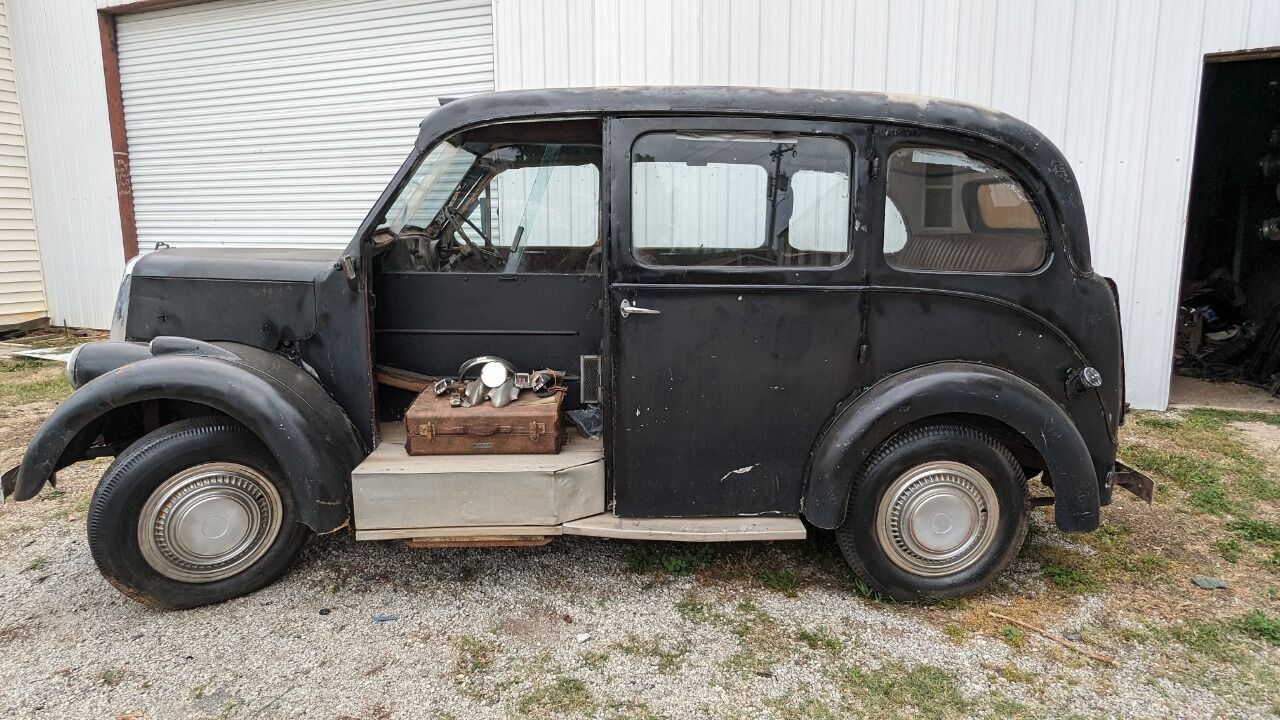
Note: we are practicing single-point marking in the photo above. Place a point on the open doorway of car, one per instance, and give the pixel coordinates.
(1227, 347)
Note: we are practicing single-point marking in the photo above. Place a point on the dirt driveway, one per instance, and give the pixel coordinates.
(593, 628)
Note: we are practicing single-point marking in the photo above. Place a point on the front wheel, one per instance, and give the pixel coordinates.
(194, 513)
(937, 512)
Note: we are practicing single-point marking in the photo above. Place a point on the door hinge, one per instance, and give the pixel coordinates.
(873, 166)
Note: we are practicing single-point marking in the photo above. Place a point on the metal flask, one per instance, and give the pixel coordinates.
(474, 393)
(504, 394)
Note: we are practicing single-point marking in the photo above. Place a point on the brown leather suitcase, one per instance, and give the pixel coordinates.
(530, 424)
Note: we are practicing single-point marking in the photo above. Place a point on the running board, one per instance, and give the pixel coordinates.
(608, 525)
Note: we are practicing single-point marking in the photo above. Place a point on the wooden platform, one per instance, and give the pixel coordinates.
(393, 491)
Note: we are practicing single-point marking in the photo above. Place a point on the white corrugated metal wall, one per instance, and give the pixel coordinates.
(278, 122)
(1114, 84)
(21, 292)
(58, 59)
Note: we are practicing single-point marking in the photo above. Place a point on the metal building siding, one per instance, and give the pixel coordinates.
(21, 291)
(58, 58)
(1114, 84)
(279, 122)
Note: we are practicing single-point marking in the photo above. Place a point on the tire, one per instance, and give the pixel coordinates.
(222, 522)
(919, 523)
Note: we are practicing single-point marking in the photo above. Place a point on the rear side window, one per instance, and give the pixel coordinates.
(740, 200)
(948, 211)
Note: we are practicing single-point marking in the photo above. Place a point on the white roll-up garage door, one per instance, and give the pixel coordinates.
(276, 123)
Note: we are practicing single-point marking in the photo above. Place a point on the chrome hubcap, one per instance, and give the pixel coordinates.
(209, 522)
(937, 518)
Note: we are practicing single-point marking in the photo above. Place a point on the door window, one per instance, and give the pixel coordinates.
(947, 211)
(740, 199)
(510, 198)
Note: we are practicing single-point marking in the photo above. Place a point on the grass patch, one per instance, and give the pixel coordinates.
(1015, 637)
(1013, 674)
(820, 639)
(693, 608)
(859, 587)
(1260, 625)
(1072, 580)
(677, 563)
(38, 563)
(112, 677)
(1228, 548)
(474, 657)
(667, 658)
(24, 380)
(783, 581)
(565, 695)
(894, 690)
(762, 641)
(1258, 531)
(1220, 639)
(955, 633)
(1201, 454)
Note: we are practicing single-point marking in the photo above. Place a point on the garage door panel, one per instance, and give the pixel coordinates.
(279, 122)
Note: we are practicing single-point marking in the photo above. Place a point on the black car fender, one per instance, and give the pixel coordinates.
(303, 427)
(950, 388)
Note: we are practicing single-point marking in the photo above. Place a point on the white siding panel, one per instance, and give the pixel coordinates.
(58, 58)
(21, 292)
(1114, 84)
(278, 122)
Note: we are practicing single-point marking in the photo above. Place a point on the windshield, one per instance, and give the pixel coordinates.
(426, 192)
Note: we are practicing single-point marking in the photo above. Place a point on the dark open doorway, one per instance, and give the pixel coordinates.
(1229, 306)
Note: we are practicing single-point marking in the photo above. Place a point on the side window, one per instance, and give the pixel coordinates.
(509, 198)
(740, 199)
(947, 211)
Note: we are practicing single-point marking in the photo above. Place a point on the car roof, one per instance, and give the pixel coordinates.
(957, 116)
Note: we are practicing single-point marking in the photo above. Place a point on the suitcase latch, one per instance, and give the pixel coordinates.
(428, 431)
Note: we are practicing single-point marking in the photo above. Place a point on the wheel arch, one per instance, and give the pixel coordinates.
(306, 431)
(1034, 428)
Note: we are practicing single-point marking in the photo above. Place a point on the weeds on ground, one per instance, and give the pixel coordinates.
(820, 639)
(24, 380)
(667, 657)
(783, 581)
(693, 608)
(677, 563)
(1199, 453)
(474, 656)
(1219, 639)
(762, 640)
(565, 695)
(929, 692)
(1071, 579)
(1015, 637)
(1229, 549)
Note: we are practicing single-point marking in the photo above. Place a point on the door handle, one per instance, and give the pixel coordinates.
(626, 308)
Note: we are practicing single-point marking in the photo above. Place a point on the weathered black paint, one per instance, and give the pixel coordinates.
(822, 336)
(431, 323)
(303, 427)
(943, 389)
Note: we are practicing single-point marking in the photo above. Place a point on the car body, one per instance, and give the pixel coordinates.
(875, 313)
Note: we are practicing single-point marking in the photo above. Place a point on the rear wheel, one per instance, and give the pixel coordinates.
(194, 513)
(936, 512)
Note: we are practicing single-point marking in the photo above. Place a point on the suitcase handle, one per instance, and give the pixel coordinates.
(486, 430)
(535, 431)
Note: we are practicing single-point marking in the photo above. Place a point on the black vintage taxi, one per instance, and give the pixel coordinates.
(790, 309)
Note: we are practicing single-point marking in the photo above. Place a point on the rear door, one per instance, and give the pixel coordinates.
(735, 307)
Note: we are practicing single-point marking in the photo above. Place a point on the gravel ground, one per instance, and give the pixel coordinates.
(582, 627)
